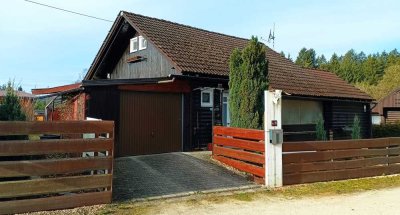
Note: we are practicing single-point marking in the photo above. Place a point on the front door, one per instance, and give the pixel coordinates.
(226, 121)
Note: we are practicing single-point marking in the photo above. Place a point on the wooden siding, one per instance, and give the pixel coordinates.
(154, 64)
(304, 132)
(339, 117)
(392, 116)
(202, 119)
(390, 101)
(103, 103)
(150, 123)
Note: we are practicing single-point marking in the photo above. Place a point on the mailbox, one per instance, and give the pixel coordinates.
(276, 136)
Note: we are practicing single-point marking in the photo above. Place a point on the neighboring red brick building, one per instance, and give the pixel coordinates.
(67, 103)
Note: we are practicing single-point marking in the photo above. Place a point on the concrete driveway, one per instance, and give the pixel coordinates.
(177, 173)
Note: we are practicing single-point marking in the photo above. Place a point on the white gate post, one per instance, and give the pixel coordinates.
(273, 152)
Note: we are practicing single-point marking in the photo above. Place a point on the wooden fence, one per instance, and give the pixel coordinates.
(53, 174)
(242, 149)
(305, 162)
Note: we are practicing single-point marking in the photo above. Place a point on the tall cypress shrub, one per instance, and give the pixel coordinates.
(247, 82)
(356, 129)
(320, 129)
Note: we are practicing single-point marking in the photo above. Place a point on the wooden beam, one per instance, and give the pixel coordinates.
(55, 127)
(55, 203)
(177, 86)
(57, 89)
(337, 144)
(242, 166)
(53, 166)
(239, 154)
(251, 134)
(40, 147)
(238, 143)
(10, 189)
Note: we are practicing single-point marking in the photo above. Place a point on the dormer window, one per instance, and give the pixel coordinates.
(134, 45)
(137, 43)
(142, 43)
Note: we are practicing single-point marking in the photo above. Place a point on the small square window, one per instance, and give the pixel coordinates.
(207, 98)
(142, 43)
(134, 44)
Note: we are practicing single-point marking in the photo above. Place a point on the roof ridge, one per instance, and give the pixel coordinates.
(390, 94)
(185, 25)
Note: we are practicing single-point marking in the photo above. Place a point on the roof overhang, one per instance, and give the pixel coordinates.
(323, 98)
(58, 89)
(116, 82)
(108, 42)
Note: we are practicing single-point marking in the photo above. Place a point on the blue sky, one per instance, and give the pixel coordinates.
(42, 47)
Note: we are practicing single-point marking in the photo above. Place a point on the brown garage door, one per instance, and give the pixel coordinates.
(150, 123)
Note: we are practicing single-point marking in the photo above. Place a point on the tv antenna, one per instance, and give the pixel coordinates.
(271, 36)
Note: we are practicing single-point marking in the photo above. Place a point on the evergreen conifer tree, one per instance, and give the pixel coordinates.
(10, 107)
(247, 82)
(320, 129)
(356, 130)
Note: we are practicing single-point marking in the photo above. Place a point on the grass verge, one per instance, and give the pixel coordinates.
(288, 192)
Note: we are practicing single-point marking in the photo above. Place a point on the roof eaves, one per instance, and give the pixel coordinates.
(100, 53)
(390, 94)
(57, 89)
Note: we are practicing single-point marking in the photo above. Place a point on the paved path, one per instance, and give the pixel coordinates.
(172, 173)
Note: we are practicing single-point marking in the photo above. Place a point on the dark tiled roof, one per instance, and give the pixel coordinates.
(194, 50)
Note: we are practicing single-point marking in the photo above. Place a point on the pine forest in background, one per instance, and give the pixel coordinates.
(376, 74)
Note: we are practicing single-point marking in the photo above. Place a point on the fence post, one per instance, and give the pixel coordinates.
(273, 152)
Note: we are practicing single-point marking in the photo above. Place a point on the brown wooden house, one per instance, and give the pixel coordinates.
(166, 84)
(387, 110)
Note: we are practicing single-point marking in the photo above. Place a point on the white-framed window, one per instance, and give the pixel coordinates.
(207, 98)
(134, 45)
(142, 43)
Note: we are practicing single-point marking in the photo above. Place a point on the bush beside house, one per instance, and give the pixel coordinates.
(10, 106)
(386, 130)
(247, 82)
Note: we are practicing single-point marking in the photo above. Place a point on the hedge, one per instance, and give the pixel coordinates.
(387, 130)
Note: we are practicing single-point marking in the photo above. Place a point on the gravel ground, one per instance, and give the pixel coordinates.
(89, 210)
(370, 202)
(383, 201)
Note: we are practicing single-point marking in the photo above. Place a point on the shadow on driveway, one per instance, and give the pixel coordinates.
(171, 173)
